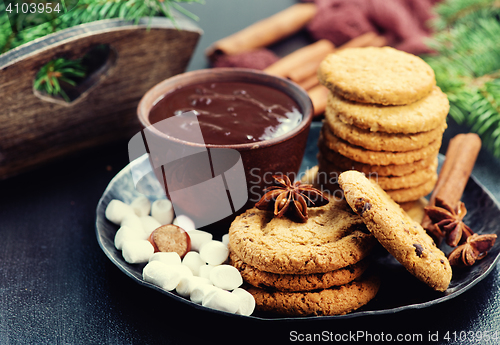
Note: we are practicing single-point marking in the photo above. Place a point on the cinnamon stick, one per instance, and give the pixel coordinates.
(379, 41)
(309, 82)
(319, 97)
(305, 71)
(312, 52)
(265, 32)
(367, 39)
(460, 158)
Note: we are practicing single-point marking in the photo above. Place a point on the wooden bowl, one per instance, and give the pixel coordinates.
(36, 128)
(259, 160)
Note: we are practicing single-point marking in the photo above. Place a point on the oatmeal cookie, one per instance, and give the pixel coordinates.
(386, 182)
(424, 115)
(402, 195)
(381, 170)
(381, 141)
(298, 282)
(363, 155)
(337, 300)
(412, 193)
(377, 75)
(404, 238)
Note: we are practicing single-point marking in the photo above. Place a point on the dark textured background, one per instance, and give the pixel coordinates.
(58, 287)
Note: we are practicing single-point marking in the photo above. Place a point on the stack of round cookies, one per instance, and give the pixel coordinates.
(385, 117)
(312, 268)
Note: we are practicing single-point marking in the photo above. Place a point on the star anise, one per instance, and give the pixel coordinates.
(448, 222)
(292, 198)
(475, 248)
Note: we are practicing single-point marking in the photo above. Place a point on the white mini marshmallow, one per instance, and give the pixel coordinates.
(193, 261)
(205, 270)
(117, 210)
(125, 233)
(225, 239)
(184, 222)
(169, 258)
(132, 221)
(199, 238)
(162, 211)
(222, 300)
(226, 277)
(149, 224)
(214, 252)
(247, 302)
(160, 274)
(141, 206)
(135, 252)
(187, 284)
(183, 270)
(201, 291)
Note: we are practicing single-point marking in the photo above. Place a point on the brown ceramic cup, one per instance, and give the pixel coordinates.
(184, 179)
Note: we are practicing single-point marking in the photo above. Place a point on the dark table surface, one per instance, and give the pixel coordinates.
(58, 287)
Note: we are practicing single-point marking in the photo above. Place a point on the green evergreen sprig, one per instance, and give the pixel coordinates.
(467, 65)
(451, 13)
(51, 75)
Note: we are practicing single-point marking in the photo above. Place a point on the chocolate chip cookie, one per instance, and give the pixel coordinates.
(333, 237)
(404, 238)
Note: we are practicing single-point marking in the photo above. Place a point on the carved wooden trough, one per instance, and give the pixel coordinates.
(36, 128)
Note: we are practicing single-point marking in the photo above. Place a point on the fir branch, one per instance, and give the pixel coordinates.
(454, 12)
(484, 118)
(49, 77)
(469, 49)
(467, 66)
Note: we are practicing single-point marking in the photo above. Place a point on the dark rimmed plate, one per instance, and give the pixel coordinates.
(483, 212)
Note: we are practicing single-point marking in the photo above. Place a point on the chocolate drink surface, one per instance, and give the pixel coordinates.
(228, 112)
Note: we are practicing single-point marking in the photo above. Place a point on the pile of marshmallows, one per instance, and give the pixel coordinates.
(201, 275)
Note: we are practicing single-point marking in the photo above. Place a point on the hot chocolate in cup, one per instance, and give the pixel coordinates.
(216, 137)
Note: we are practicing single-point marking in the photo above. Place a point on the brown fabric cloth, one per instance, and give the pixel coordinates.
(403, 22)
(339, 21)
